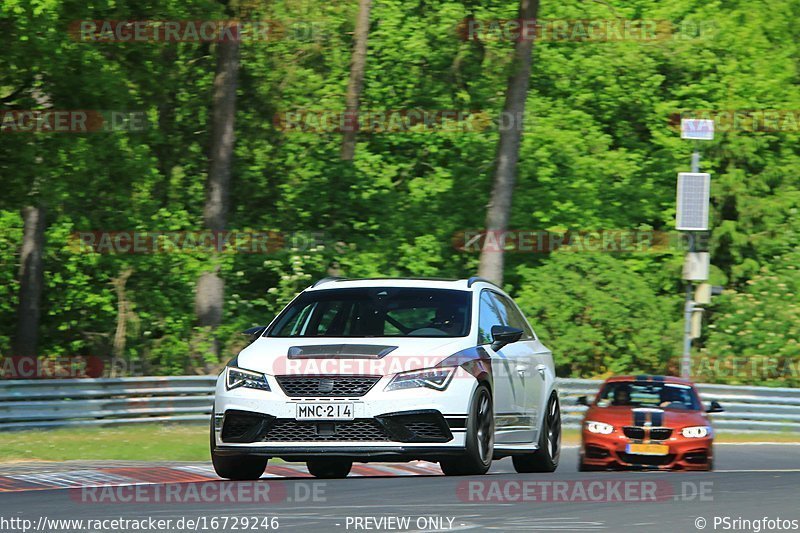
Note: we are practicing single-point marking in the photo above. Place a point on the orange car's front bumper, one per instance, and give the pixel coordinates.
(610, 452)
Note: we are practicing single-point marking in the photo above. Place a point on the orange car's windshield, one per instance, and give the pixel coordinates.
(648, 394)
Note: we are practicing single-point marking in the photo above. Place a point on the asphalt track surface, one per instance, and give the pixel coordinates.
(752, 482)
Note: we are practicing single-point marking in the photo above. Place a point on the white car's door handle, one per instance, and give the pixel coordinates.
(541, 369)
(522, 370)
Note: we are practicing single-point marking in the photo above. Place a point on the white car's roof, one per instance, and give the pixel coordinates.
(454, 284)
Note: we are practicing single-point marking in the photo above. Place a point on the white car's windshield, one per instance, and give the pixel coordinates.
(376, 312)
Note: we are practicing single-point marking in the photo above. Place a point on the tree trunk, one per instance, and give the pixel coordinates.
(210, 293)
(356, 83)
(123, 315)
(215, 212)
(31, 279)
(499, 208)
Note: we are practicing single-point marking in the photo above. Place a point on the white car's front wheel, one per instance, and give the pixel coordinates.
(236, 467)
(329, 468)
(480, 438)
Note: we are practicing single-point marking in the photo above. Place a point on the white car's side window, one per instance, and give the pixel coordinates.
(514, 316)
(488, 316)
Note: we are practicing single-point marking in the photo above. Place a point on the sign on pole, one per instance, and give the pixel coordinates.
(702, 294)
(693, 194)
(698, 129)
(696, 266)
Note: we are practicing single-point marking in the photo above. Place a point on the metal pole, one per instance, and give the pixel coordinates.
(688, 308)
(686, 362)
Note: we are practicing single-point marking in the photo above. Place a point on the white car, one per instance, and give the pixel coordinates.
(389, 370)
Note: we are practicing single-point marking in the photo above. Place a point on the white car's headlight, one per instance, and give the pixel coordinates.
(599, 427)
(433, 378)
(695, 432)
(239, 377)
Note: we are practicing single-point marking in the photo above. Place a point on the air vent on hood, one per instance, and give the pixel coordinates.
(340, 351)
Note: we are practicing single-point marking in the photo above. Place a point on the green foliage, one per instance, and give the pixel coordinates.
(598, 153)
(599, 314)
(753, 334)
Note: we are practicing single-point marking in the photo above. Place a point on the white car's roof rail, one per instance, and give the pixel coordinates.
(475, 279)
(470, 281)
(328, 279)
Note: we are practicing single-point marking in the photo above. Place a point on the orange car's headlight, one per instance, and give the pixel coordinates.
(696, 432)
(599, 427)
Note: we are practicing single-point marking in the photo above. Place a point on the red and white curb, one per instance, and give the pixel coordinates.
(149, 475)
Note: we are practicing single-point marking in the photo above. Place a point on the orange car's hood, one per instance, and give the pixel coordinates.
(631, 416)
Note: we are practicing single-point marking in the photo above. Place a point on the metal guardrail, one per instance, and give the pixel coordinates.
(42, 404)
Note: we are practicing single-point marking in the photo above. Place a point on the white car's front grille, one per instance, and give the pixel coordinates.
(326, 386)
(351, 431)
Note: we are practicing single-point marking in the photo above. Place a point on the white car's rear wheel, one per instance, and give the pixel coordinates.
(545, 459)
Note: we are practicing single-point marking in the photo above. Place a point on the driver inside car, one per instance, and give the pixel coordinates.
(622, 396)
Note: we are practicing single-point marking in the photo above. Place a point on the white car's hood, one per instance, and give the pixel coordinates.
(349, 356)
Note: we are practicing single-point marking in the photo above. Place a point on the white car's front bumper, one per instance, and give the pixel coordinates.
(387, 416)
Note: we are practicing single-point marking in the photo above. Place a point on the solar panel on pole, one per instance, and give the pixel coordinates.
(692, 205)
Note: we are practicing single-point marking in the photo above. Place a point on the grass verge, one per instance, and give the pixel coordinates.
(146, 442)
(159, 442)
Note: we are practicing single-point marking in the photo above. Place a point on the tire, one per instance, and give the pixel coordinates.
(583, 467)
(236, 467)
(545, 459)
(480, 438)
(329, 468)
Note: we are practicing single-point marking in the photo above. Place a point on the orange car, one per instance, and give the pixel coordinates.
(646, 422)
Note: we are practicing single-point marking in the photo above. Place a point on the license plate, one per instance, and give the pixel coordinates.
(324, 411)
(648, 449)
